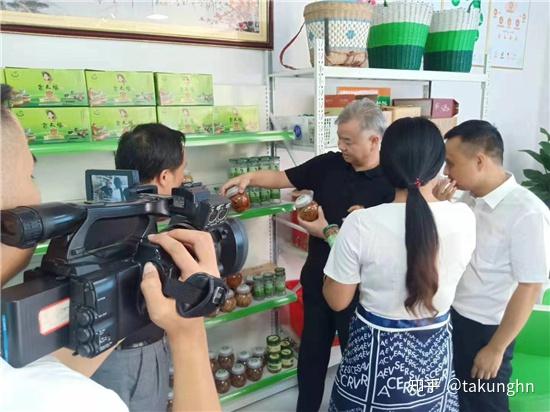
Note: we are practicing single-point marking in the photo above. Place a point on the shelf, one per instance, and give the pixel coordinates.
(256, 307)
(192, 140)
(334, 72)
(255, 212)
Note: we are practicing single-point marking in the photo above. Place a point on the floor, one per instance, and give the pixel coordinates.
(286, 401)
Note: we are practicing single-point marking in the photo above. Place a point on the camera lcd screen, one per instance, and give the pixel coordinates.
(110, 185)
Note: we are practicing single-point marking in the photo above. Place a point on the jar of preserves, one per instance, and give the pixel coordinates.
(276, 193)
(242, 166)
(285, 344)
(243, 357)
(223, 384)
(273, 344)
(213, 364)
(307, 208)
(280, 283)
(233, 168)
(226, 357)
(238, 375)
(287, 358)
(230, 302)
(259, 292)
(239, 201)
(259, 352)
(249, 280)
(244, 296)
(254, 369)
(269, 286)
(274, 364)
(234, 280)
(255, 195)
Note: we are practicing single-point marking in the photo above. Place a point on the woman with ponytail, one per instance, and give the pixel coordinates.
(406, 258)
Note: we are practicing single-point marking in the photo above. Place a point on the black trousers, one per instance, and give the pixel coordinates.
(468, 338)
(320, 325)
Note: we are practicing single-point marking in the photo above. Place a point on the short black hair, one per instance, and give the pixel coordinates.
(150, 148)
(480, 134)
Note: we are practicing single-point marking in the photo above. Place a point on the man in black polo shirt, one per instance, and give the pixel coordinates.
(340, 182)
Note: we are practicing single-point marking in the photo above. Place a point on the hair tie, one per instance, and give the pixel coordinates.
(418, 183)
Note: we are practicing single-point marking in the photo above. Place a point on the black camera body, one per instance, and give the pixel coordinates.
(86, 294)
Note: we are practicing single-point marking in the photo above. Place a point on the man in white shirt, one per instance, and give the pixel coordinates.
(508, 268)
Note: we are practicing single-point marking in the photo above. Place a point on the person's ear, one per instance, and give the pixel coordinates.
(481, 161)
(375, 141)
(163, 179)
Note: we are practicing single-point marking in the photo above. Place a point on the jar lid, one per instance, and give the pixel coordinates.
(257, 277)
(255, 363)
(280, 269)
(226, 351)
(286, 353)
(243, 355)
(273, 339)
(267, 275)
(229, 294)
(238, 369)
(232, 191)
(211, 355)
(285, 344)
(274, 357)
(222, 375)
(303, 201)
(258, 350)
(243, 289)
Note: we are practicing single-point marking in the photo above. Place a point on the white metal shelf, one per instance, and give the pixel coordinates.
(351, 73)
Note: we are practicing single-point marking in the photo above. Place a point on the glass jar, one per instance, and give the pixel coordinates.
(259, 352)
(287, 358)
(253, 164)
(243, 357)
(233, 168)
(242, 166)
(254, 369)
(255, 195)
(273, 344)
(230, 302)
(244, 296)
(249, 280)
(223, 383)
(280, 283)
(213, 363)
(234, 280)
(285, 344)
(269, 286)
(307, 208)
(259, 292)
(275, 165)
(226, 357)
(238, 375)
(274, 364)
(239, 201)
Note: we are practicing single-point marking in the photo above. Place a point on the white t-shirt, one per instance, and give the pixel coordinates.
(48, 385)
(370, 250)
(513, 246)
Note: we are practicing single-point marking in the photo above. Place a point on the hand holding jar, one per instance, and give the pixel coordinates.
(315, 227)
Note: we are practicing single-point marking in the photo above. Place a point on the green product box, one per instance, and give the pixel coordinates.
(186, 119)
(112, 122)
(47, 87)
(55, 124)
(236, 119)
(2, 76)
(120, 88)
(184, 89)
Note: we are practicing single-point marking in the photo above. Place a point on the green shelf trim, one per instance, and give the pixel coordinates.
(256, 307)
(269, 210)
(192, 140)
(266, 382)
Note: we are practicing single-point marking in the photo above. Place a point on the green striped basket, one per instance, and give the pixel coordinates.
(398, 35)
(450, 45)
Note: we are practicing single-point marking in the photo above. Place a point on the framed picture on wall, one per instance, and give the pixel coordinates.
(236, 23)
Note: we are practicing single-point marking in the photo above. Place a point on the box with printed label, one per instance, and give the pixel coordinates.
(383, 94)
(120, 88)
(445, 124)
(46, 87)
(184, 89)
(54, 124)
(236, 119)
(186, 119)
(435, 108)
(112, 122)
(401, 111)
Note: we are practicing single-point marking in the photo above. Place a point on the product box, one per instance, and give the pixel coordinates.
(335, 103)
(435, 108)
(61, 124)
(445, 124)
(112, 122)
(46, 87)
(383, 94)
(398, 112)
(120, 88)
(2, 76)
(184, 89)
(186, 119)
(236, 119)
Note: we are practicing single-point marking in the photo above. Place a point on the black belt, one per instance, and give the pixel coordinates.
(140, 344)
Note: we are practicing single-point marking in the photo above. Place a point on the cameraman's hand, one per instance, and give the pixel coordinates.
(316, 227)
(162, 310)
(242, 182)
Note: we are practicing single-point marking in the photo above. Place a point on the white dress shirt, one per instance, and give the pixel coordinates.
(513, 246)
(370, 251)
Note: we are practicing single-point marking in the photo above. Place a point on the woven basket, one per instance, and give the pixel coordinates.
(344, 27)
(450, 45)
(398, 35)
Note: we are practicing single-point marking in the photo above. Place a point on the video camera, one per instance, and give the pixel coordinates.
(86, 293)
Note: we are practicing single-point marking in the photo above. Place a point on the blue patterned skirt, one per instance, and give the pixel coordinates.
(396, 365)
